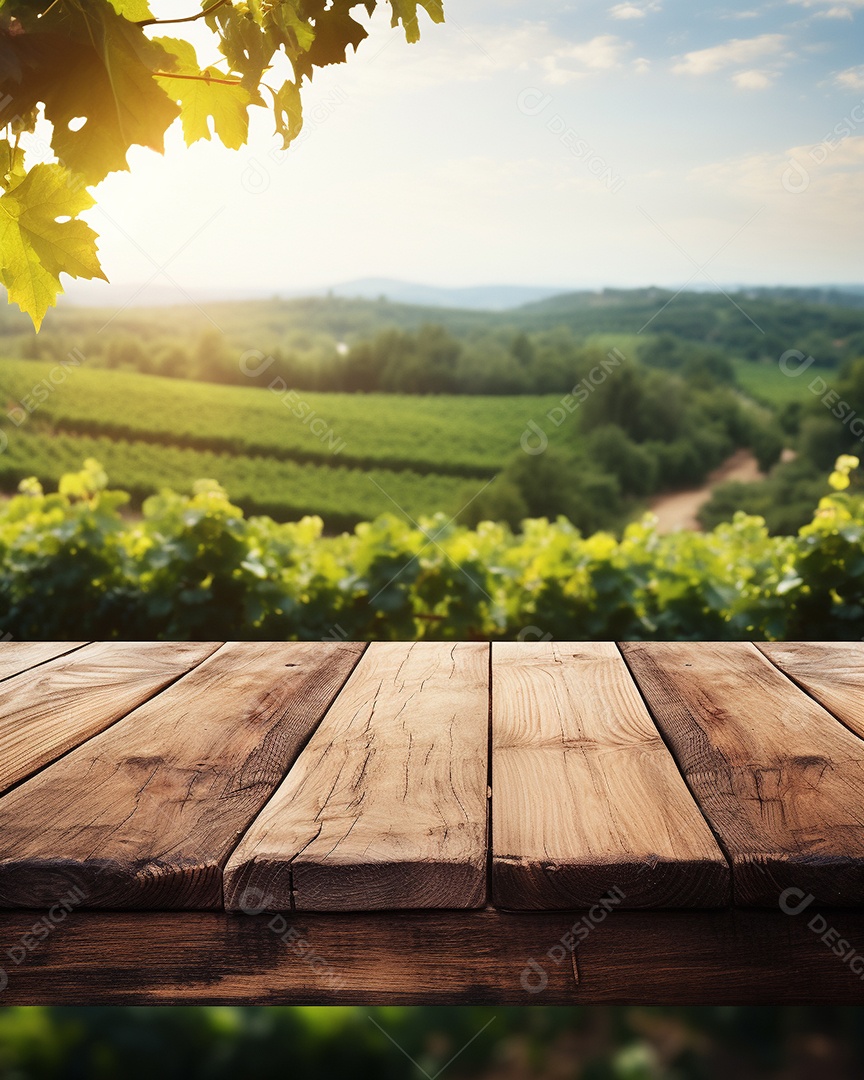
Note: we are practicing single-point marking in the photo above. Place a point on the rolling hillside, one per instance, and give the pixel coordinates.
(347, 457)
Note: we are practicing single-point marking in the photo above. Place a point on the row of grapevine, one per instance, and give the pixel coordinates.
(464, 436)
(71, 566)
(285, 490)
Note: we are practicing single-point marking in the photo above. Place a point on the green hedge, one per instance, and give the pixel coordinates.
(73, 566)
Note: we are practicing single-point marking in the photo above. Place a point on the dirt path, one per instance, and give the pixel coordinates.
(678, 510)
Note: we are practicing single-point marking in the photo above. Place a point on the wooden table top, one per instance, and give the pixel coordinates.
(341, 777)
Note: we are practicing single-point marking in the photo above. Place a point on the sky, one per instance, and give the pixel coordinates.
(584, 144)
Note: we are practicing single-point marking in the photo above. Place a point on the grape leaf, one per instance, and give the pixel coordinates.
(103, 75)
(29, 64)
(106, 86)
(288, 109)
(245, 46)
(291, 26)
(37, 243)
(405, 11)
(136, 10)
(206, 95)
(335, 30)
(12, 169)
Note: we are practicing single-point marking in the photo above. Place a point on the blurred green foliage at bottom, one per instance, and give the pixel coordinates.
(409, 1043)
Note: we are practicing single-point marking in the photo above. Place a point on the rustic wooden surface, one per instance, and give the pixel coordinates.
(146, 813)
(586, 796)
(831, 672)
(58, 705)
(732, 957)
(779, 778)
(18, 656)
(387, 805)
(340, 793)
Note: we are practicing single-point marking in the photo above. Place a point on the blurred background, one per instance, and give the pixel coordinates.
(396, 1043)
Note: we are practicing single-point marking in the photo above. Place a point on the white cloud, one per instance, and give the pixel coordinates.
(827, 9)
(633, 11)
(456, 54)
(851, 79)
(569, 62)
(752, 80)
(730, 53)
(641, 65)
(803, 227)
(473, 54)
(760, 176)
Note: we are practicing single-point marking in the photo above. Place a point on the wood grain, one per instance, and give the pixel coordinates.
(53, 708)
(830, 671)
(729, 957)
(780, 780)
(155, 958)
(585, 796)
(18, 656)
(386, 806)
(145, 814)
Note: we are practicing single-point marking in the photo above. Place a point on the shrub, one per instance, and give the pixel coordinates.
(71, 567)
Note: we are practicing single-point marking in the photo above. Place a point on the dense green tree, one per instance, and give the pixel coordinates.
(609, 450)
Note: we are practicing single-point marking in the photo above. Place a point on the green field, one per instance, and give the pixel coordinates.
(284, 490)
(460, 436)
(370, 453)
(768, 384)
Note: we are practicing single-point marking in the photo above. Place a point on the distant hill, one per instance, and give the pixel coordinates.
(533, 306)
(471, 298)
(751, 323)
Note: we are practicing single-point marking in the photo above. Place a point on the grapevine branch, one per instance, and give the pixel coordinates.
(196, 78)
(187, 19)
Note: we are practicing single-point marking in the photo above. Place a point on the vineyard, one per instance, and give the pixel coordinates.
(283, 489)
(766, 382)
(458, 436)
(72, 566)
(345, 457)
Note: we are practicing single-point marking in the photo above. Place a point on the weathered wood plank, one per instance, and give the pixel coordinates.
(830, 671)
(386, 807)
(145, 814)
(780, 780)
(729, 956)
(429, 957)
(19, 656)
(585, 796)
(52, 708)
